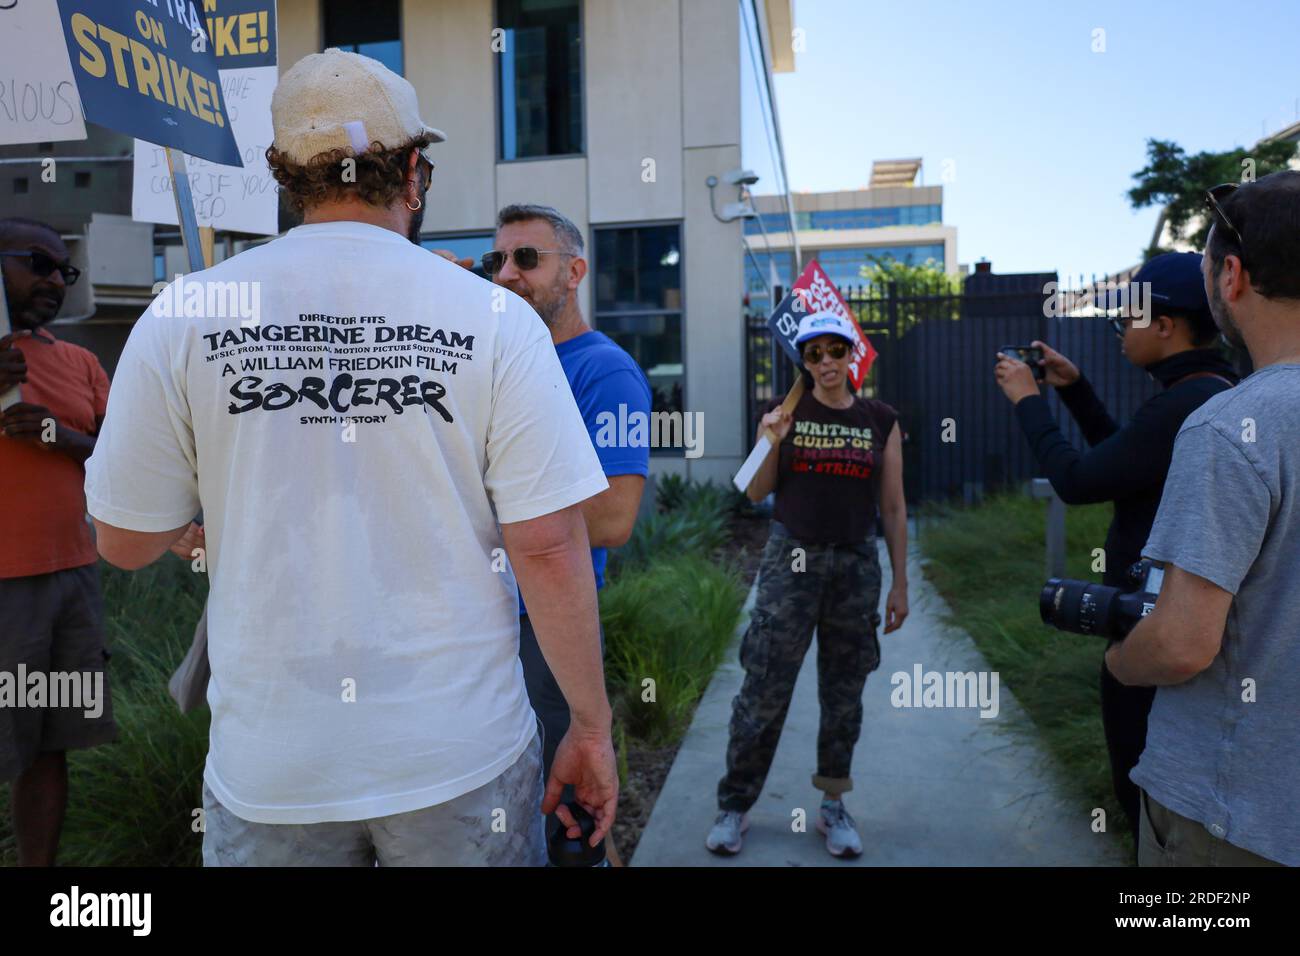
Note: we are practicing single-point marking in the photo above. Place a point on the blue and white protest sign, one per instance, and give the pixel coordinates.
(148, 68)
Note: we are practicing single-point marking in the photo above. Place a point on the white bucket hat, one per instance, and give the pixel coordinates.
(340, 100)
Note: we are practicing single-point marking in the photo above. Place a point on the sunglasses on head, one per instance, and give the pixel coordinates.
(836, 350)
(42, 264)
(525, 258)
(1213, 201)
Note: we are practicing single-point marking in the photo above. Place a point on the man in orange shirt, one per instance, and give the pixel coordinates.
(51, 617)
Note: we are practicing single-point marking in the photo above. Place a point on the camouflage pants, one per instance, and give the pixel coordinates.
(835, 589)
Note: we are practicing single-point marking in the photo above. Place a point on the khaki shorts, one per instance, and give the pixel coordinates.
(499, 824)
(1166, 838)
(52, 624)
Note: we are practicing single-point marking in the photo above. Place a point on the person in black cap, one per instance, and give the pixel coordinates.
(1169, 332)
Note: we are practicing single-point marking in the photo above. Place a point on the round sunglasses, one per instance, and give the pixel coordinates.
(525, 258)
(42, 264)
(836, 350)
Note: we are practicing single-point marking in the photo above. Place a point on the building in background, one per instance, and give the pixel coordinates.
(633, 119)
(893, 218)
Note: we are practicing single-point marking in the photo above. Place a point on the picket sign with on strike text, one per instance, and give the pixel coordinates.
(243, 37)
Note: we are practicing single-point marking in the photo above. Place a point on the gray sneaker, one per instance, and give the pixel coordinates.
(841, 832)
(725, 837)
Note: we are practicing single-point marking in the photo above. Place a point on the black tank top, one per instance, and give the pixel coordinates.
(828, 480)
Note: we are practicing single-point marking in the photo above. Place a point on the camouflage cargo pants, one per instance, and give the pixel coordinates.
(835, 589)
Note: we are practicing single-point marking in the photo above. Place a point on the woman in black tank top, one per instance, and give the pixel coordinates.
(839, 462)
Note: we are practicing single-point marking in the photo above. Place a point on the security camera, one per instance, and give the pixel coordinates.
(742, 177)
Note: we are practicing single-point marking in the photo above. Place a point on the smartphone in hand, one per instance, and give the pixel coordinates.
(1031, 355)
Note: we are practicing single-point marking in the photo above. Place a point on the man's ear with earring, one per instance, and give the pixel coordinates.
(413, 185)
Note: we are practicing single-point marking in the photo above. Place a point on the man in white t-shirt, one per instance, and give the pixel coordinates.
(382, 443)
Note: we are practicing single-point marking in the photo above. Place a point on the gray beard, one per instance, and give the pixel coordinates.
(552, 311)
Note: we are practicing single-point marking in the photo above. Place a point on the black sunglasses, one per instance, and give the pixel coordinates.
(525, 258)
(813, 353)
(1212, 202)
(43, 264)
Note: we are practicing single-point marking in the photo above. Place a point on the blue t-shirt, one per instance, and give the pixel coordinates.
(609, 388)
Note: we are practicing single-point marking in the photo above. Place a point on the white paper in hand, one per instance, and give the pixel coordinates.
(755, 461)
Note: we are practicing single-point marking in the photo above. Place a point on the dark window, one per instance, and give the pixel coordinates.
(373, 29)
(539, 78)
(464, 247)
(20, 184)
(81, 180)
(639, 303)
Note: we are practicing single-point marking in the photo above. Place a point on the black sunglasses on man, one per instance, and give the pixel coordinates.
(42, 264)
(1213, 200)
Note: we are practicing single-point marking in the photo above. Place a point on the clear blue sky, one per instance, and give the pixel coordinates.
(1045, 133)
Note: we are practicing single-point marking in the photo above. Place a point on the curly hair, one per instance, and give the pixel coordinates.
(379, 177)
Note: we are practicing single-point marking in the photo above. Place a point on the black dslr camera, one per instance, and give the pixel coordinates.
(1082, 607)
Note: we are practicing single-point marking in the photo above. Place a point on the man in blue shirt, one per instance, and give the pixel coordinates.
(538, 254)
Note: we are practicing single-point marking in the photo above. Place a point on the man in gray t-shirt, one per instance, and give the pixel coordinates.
(1220, 774)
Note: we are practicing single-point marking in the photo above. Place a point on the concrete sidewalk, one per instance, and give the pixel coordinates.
(933, 786)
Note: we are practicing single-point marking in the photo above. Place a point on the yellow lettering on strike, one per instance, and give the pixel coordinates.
(92, 57)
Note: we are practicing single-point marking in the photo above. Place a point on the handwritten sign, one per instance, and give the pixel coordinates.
(239, 199)
(147, 68)
(38, 96)
(813, 292)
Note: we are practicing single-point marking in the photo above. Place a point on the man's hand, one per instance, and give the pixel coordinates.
(895, 608)
(585, 760)
(1060, 370)
(192, 540)
(1015, 378)
(13, 364)
(26, 422)
(450, 256)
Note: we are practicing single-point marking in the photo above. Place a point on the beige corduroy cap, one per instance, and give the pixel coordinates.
(340, 100)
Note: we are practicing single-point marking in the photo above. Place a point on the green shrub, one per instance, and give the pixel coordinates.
(669, 536)
(671, 621)
(675, 493)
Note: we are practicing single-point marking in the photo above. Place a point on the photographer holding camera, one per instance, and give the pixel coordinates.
(1174, 342)
(1220, 776)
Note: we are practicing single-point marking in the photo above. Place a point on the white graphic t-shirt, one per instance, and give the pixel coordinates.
(355, 415)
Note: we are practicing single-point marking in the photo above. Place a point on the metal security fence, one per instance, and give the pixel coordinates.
(937, 349)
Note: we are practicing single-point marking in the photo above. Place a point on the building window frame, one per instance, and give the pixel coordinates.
(680, 311)
(401, 33)
(498, 119)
